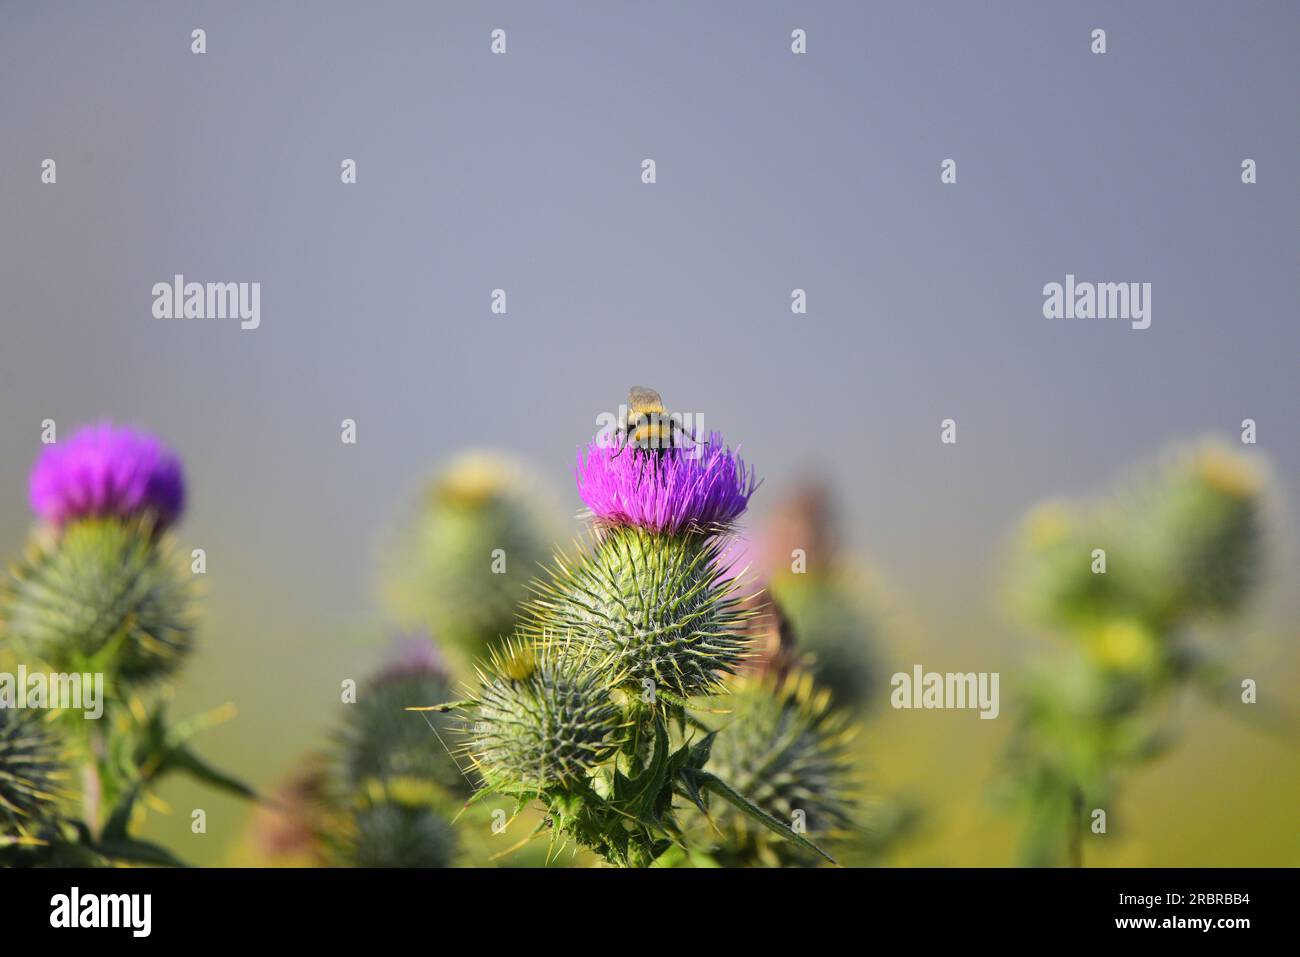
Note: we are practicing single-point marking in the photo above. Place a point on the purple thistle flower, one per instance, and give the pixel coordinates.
(105, 470)
(702, 487)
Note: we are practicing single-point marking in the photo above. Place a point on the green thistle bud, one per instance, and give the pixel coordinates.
(31, 769)
(105, 595)
(382, 740)
(788, 750)
(539, 723)
(1182, 539)
(1203, 528)
(398, 826)
(1054, 578)
(461, 566)
(647, 607)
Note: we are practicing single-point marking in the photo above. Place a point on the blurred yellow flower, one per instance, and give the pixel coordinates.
(1227, 472)
(1124, 645)
(475, 478)
(1047, 525)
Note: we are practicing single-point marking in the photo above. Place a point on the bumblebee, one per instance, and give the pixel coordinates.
(648, 426)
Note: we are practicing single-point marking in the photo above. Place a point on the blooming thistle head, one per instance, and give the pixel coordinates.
(539, 722)
(30, 771)
(703, 486)
(104, 470)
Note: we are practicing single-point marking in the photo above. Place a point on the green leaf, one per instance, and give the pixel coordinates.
(134, 851)
(647, 787)
(115, 829)
(689, 787)
(712, 783)
(700, 750)
(183, 759)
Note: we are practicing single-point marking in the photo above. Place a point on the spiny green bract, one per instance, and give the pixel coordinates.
(462, 564)
(103, 596)
(539, 722)
(31, 769)
(646, 607)
(786, 749)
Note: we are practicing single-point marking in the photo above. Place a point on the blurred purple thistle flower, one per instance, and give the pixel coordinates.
(703, 487)
(411, 655)
(105, 470)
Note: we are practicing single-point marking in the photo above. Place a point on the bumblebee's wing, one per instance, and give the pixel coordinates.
(640, 399)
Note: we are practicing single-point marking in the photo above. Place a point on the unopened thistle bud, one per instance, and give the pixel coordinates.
(103, 596)
(540, 723)
(1075, 569)
(398, 825)
(1170, 542)
(788, 750)
(1203, 522)
(462, 565)
(31, 770)
(381, 739)
(645, 607)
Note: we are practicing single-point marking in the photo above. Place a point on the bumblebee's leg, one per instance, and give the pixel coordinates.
(646, 456)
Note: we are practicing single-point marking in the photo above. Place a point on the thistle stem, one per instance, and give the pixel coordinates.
(92, 786)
